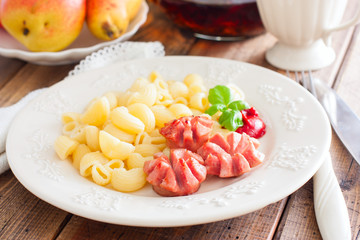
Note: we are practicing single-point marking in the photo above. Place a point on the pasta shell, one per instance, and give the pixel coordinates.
(113, 148)
(128, 180)
(97, 112)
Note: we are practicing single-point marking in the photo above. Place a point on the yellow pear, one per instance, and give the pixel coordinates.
(0, 16)
(107, 19)
(43, 25)
(132, 8)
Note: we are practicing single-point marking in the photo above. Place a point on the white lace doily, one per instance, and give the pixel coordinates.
(122, 51)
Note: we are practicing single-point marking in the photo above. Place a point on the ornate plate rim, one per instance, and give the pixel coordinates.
(266, 184)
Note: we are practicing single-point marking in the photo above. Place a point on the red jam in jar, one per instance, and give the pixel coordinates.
(216, 19)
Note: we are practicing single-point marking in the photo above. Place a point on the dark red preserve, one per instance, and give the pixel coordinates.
(230, 19)
(253, 126)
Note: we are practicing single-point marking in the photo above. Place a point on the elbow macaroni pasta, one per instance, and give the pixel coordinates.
(78, 154)
(122, 119)
(92, 137)
(119, 131)
(199, 101)
(180, 110)
(65, 146)
(128, 180)
(144, 113)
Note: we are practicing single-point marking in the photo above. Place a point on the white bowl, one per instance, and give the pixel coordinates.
(85, 44)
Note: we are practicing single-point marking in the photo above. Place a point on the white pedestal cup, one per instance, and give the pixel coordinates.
(303, 29)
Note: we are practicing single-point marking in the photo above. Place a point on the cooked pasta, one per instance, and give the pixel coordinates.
(199, 101)
(113, 148)
(136, 160)
(65, 146)
(128, 180)
(166, 151)
(178, 89)
(100, 174)
(114, 163)
(97, 112)
(196, 112)
(92, 137)
(236, 92)
(89, 160)
(70, 117)
(78, 134)
(180, 110)
(162, 115)
(153, 137)
(122, 119)
(164, 98)
(193, 78)
(69, 127)
(139, 84)
(112, 99)
(144, 113)
(181, 100)
(154, 75)
(217, 128)
(123, 98)
(79, 152)
(195, 84)
(147, 150)
(139, 139)
(161, 85)
(118, 132)
(147, 95)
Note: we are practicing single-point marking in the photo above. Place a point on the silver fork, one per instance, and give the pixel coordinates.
(329, 204)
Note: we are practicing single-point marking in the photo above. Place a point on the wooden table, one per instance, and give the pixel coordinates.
(24, 216)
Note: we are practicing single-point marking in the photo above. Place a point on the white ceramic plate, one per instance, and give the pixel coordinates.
(298, 136)
(85, 44)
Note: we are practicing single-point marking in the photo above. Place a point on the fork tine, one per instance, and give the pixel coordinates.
(311, 82)
(297, 77)
(304, 83)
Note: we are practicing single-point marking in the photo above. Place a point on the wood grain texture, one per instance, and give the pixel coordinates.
(349, 77)
(237, 228)
(26, 216)
(299, 215)
(158, 27)
(8, 68)
(29, 78)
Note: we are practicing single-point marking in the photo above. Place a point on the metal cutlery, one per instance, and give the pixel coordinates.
(329, 204)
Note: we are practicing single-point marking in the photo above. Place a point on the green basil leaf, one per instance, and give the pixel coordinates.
(239, 105)
(215, 108)
(231, 119)
(219, 95)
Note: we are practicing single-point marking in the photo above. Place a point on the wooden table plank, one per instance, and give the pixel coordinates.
(8, 68)
(299, 215)
(26, 216)
(251, 50)
(236, 228)
(29, 78)
(158, 27)
(348, 81)
(23, 215)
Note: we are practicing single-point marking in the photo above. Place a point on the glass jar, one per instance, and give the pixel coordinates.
(215, 19)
